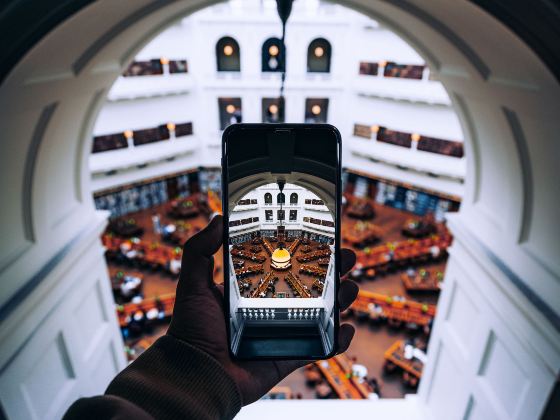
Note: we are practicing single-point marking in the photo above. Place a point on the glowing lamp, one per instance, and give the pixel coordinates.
(228, 50)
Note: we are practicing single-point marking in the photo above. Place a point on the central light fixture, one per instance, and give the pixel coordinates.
(171, 126)
(273, 109)
(228, 50)
(128, 134)
(319, 51)
(415, 137)
(315, 109)
(273, 50)
(280, 259)
(230, 109)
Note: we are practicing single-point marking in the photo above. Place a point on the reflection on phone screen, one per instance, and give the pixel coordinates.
(281, 242)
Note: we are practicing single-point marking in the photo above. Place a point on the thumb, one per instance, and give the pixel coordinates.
(198, 262)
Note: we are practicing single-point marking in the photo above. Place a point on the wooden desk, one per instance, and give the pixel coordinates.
(297, 286)
(406, 312)
(313, 270)
(422, 281)
(263, 287)
(338, 373)
(166, 301)
(395, 355)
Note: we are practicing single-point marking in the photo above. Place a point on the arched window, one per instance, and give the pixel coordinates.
(273, 58)
(293, 198)
(319, 56)
(228, 54)
(280, 198)
(268, 198)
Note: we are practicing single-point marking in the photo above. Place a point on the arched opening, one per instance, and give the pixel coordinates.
(280, 198)
(509, 236)
(228, 54)
(319, 56)
(268, 198)
(272, 56)
(293, 198)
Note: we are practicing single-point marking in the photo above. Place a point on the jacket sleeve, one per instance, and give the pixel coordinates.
(170, 380)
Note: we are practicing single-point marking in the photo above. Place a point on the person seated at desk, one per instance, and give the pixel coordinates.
(174, 266)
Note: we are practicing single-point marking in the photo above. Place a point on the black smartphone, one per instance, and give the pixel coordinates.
(281, 195)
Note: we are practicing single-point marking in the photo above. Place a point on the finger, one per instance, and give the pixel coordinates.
(345, 335)
(197, 266)
(347, 260)
(347, 293)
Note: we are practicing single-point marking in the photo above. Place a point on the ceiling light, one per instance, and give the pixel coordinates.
(228, 50)
(316, 109)
(230, 109)
(273, 109)
(273, 50)
(319, 51)
(128, 134)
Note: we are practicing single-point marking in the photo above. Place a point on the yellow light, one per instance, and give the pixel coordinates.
(319, 51)
(164, 60)
(316, 109)
(171, 126)
(374, 128)
(273, 50)
(228, 50)
(230, 109)
(128, 134)
(273, 109)
(382, 63)
(415, 137)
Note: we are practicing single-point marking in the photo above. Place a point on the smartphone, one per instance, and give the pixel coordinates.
(281, 195)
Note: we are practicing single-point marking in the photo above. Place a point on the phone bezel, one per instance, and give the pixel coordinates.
(338, 194)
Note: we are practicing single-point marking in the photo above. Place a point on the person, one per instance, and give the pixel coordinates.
(188, 373)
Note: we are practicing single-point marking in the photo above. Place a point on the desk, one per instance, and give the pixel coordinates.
(297, 286)
(394, 357)
(338, 373)
(263, 286)
(165, 302)
(422, 280)
(379, 306)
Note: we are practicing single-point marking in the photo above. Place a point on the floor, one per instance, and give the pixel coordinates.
(369, 343)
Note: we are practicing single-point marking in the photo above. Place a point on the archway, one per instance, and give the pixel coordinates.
(506, 235)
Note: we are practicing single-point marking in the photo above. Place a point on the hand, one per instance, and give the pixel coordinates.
(198, 315)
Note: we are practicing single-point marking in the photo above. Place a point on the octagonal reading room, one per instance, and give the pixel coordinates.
(113, 116)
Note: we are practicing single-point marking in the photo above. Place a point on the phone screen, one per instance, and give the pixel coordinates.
(281, 205)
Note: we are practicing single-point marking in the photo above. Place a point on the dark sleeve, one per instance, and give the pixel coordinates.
(170, 380)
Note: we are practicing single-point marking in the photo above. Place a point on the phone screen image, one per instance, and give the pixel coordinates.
(281, 205)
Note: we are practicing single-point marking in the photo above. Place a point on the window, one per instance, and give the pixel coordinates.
(150, 135)
(273, 59)
(272, 110)
(280, 198)
(144, 68)
(293, 198)
(316, 110)
(268, 215)
(361, 130)
(398, 138)
(183, 129)
(293, 215)
(405, 71)
(440, 146)
(109, 142)
(369, 69)
(268, 198)
(319, 56)
(178, 66)
(228, 55)
(281, 215)
(230, 111)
